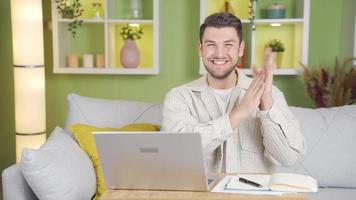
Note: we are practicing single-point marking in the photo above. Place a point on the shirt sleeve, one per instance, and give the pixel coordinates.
(282, 138)
(178, 117)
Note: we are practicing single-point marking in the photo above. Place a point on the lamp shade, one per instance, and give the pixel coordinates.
(29, 76)
(27, 32)
(30, 112)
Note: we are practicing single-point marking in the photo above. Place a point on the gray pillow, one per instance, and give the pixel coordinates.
(110, 113)
(330, 134)
(59, 169)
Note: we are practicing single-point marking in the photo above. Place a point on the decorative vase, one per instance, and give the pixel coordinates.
(276, 11)
(279, 58)
(130, 54)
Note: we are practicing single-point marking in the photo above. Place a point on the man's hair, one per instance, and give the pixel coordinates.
(220, 20)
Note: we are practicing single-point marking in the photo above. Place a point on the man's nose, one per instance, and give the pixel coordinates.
(220, 51)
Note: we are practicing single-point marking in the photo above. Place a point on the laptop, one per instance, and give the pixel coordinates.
(152, 161)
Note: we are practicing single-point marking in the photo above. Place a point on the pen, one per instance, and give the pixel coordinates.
(243, 180)
(227, 183)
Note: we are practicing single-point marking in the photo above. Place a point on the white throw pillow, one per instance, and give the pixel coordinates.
(59, 169)
(110, 113)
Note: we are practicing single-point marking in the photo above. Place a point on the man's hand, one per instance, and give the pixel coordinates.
(267, 66)
(250, 101)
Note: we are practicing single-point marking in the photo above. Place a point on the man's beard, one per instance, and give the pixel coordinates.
(220, 76)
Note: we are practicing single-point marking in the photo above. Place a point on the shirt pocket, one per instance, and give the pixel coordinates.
(250, 136)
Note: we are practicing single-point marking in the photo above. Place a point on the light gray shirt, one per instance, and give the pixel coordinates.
(265, 139)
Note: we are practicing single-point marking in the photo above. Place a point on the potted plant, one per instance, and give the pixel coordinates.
(71, 11)
(130, 54)
(331, 89)
(277, 47)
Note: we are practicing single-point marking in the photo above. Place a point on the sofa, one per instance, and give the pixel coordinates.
(330, 135)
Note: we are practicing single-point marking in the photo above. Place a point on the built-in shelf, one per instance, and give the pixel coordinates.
(292, 71)
(293, 31)
(101, 37)
(67, 70)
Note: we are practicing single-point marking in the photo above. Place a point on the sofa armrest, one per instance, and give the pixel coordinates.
(15, 186)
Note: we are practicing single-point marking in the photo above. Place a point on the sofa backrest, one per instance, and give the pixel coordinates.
(110, 113)
(330, 133)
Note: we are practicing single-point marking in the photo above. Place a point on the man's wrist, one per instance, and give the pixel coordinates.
(236, 116)
(266, 104)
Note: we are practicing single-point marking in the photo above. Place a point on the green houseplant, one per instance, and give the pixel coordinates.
(131, 32)
(329, 89)
(130, 54)
(278, 48)
(276, 45)
(72, 10)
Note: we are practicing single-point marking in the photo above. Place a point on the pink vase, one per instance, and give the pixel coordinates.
(130, 54)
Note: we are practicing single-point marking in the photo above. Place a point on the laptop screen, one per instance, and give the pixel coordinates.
(152, 160)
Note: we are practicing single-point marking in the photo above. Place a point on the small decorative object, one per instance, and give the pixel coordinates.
(277, 47)
(73, 60)
(88, 60)
(134, 9)
(71, 11)
(97, 6)
(330, 90)
(130, 54)
(276, 11)
(100, 61)
(228, 7)
(252, 13)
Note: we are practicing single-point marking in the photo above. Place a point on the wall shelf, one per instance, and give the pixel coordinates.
(102, 37)
(293, 31)
(293, 71)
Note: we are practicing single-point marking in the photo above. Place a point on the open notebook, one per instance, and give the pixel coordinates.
(283, 182)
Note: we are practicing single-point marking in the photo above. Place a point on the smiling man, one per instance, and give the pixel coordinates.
(245, 124)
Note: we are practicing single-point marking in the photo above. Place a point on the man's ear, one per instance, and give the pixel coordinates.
(241, 48)
(200, 49)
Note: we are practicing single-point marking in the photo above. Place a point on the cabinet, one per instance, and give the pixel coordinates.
(99, 37)
(292, 30)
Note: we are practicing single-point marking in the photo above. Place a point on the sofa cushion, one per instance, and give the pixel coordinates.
(59, 169)
(110, 113)
(15, 186)
(333, 194)
(330, 134)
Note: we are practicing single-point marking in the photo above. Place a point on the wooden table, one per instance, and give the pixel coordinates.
(190, 195)
(183, 195)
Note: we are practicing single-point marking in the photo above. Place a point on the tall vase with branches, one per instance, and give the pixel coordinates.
(331, 89)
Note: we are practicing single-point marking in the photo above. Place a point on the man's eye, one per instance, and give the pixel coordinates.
(210, 45)
(228, 45)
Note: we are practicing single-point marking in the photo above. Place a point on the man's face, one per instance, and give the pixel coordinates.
(220, 50)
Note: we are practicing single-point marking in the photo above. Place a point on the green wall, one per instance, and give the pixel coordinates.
(7, 124)
(179, 22)
(348, 27)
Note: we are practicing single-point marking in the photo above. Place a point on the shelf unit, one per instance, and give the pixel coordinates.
(293, 31)
(102, 36)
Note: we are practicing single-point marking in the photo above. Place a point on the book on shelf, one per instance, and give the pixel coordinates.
(281, 182)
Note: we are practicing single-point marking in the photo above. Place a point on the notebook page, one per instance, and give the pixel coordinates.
(293, 182)
(263, 180)
(221, 188)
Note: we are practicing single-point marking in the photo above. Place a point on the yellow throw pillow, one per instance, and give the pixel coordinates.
(140, 127)
(83, 135)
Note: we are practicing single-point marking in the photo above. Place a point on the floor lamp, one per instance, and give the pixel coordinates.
(29, 77)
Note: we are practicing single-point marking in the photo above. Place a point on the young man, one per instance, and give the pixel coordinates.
(245, 124)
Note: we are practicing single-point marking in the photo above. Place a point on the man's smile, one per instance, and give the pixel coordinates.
(219, 61)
